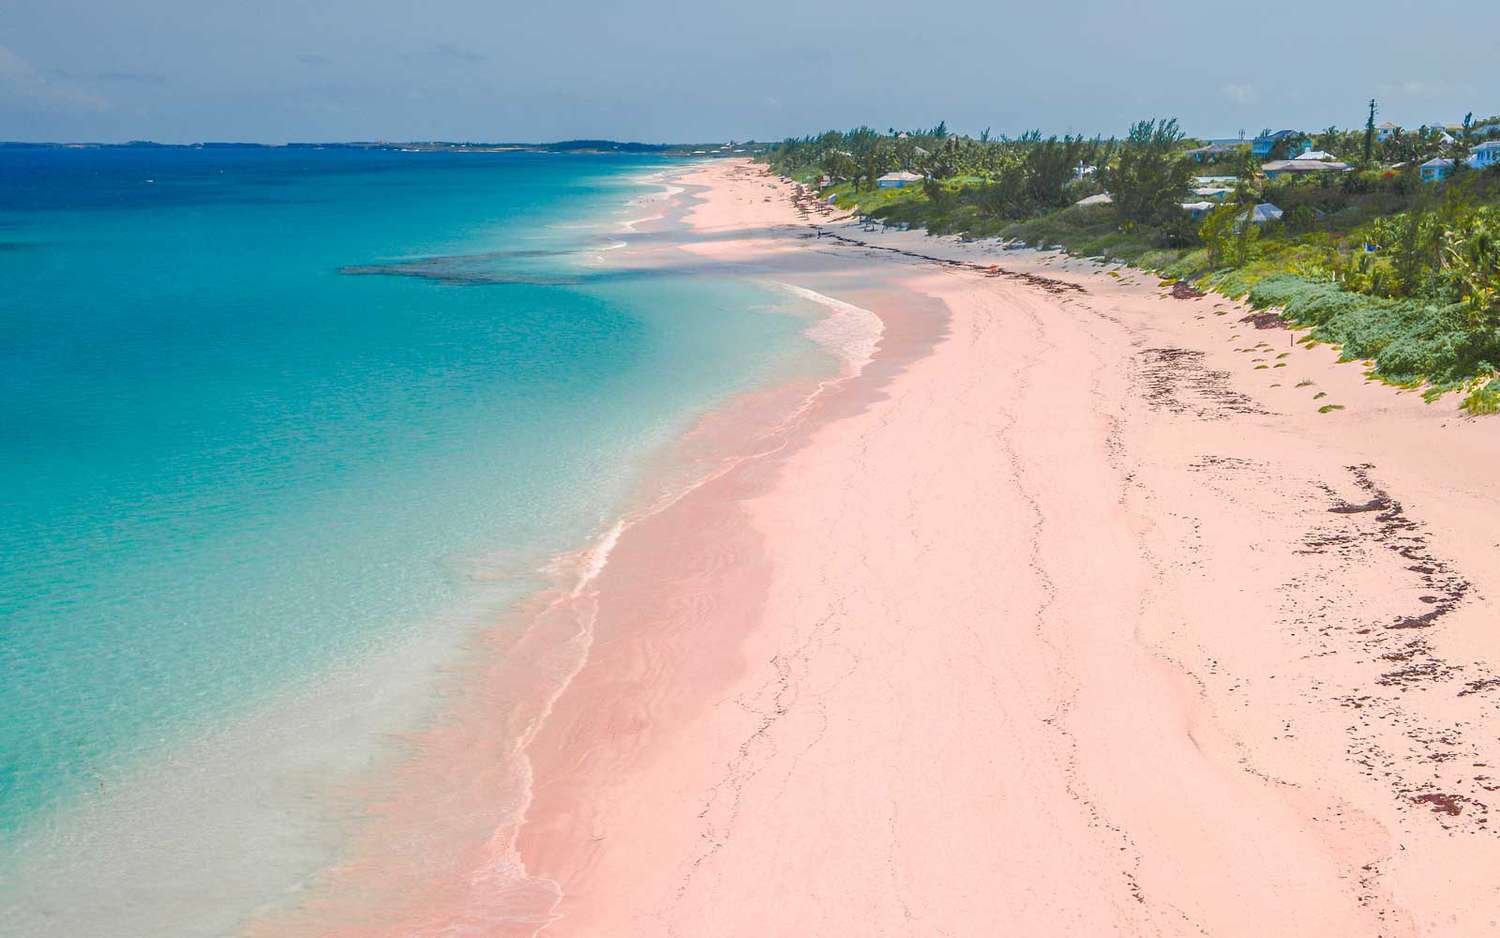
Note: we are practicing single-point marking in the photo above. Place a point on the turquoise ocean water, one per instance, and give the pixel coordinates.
(263, 412)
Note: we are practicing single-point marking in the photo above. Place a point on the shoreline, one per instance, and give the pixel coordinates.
(1072, 612)
(1165, 442)
(412, 681)
(752, 427)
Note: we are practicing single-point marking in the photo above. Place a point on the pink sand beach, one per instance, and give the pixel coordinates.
(1067, 608)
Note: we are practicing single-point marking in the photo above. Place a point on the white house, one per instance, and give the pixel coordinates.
(1311, 154)
(1197, 210)
(898, 180)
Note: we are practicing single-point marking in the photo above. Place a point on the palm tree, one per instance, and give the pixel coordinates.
(1472, 254)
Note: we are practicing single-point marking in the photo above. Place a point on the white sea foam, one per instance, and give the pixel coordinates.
(848, 331)
(667, 193)
(597, 556)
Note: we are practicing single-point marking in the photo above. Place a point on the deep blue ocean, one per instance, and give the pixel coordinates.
(264, 412)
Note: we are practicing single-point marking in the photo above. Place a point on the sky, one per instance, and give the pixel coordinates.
(671, 71)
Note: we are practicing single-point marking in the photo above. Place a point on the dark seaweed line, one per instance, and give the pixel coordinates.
(989, 270)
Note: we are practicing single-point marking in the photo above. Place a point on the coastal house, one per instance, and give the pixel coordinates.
(898, 180)
(1436, 169)
(1384, 131)
(1263, 213)
(1196, 210)
(1300, 166)
(1213, 151)
(1485, 155)
(1265, 143)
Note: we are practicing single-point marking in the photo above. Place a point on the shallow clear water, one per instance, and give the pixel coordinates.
(265, 412)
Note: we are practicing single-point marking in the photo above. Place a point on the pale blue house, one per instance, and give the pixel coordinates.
(1436, 169)
(1483, 156)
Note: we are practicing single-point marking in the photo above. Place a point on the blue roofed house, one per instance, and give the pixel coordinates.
(1265, 143)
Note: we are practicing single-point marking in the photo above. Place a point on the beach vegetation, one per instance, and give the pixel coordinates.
(1395, 270)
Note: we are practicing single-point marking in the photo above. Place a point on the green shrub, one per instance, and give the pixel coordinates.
(1410, 341)
(1484, 399)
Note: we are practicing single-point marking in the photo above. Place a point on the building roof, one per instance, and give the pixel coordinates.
(1265, 211)
(1314, 155)
(1277, 135)
(900, 176)
(1200, 206)
(1304, 166)
(1488, 145)
(1102, 198)
(1439, 161)
(1212, 190)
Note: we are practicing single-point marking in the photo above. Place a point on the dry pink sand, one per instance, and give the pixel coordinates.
(1064, 617)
